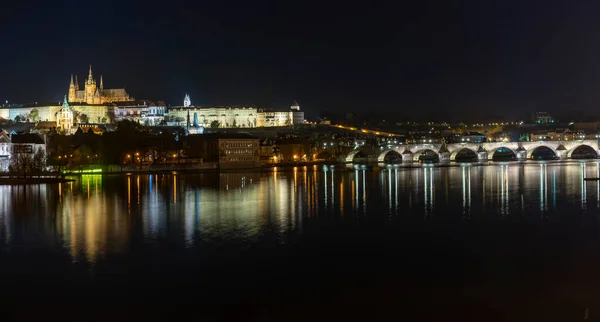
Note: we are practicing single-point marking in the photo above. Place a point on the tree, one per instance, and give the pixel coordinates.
(34, 115)
(104, 120)
(18, 118)
(234, 123)
(76, 116)
(20, 163)
(38, 164)
(83, 118)
(214, 124)
(110, 116)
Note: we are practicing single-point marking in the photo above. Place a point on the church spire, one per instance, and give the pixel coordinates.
(90, 78)
(101, 85)
(76, 83)
(187, 102)
(72, 84)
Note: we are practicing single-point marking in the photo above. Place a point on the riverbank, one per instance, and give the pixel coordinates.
(289, 166)
(42, 180)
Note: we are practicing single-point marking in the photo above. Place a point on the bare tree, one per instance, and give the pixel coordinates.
(21, 163)
(39, 162)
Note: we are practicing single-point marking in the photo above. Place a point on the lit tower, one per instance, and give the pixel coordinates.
(295, 106)
(187, 128)
(90, 88)
(72, 90)
(187, 102)
(64, 120)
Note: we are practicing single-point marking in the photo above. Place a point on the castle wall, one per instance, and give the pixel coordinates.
(46, 113)
(5, 113)
(241, 117)
(228, 117)
(95, 113)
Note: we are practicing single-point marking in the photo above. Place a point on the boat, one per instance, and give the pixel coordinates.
(591, 179)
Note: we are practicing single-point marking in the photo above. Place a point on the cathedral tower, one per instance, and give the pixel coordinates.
(91, 93)
(90, 88)
(187, 102)
(72, 90)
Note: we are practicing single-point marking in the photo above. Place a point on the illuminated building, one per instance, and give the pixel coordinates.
(235, 116)
(64, 118)
(144, 112)
(94, 94)
(543, 118)
(5, 148)
(12, 145)
(228, 150)
(187, 101)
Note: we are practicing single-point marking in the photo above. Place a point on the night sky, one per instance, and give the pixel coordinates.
(444, 60)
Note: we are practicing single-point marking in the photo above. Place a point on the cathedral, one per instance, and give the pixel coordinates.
(94, 94)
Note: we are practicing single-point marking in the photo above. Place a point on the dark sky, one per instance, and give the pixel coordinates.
(436, 59)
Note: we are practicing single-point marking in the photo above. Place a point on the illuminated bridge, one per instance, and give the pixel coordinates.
(488, 151)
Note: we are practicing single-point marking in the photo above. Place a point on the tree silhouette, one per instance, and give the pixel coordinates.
(34, 115)
(38, 163)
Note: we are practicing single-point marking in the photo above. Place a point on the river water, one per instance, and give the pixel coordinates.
(494, 242)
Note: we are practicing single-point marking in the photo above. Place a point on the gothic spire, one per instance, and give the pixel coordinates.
(188, 121)
(187, 102)
(101, 85)
(72, 84)
(76, 83)
(90, 79)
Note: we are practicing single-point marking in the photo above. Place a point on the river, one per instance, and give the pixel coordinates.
(504, 241)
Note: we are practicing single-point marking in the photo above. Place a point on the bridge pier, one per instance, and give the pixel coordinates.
(521, 154)
(561, 154)
(444, 156)
(482, 156)
(407, 156)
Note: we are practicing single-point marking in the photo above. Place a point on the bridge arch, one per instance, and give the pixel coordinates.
(582, 149)
(351, 155)
(457, 151)
(382, 155)
(501, 149)
(543, 147)
(425, 152)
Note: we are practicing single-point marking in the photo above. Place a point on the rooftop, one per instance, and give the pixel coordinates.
(223, 136)
(27, 138)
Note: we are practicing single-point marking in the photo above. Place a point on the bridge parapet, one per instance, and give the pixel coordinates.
(484, 151)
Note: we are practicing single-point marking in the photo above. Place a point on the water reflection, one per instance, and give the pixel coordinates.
(98, 215)
(466, 190)
(544, 187)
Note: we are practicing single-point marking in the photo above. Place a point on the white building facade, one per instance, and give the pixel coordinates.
(144, 112)
(234, 117)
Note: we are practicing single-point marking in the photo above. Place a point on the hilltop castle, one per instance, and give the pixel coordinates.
(92, 94)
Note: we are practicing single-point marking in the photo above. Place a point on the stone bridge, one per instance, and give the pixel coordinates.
(484, 151)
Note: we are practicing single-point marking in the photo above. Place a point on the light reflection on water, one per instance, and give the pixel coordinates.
(99, 215)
